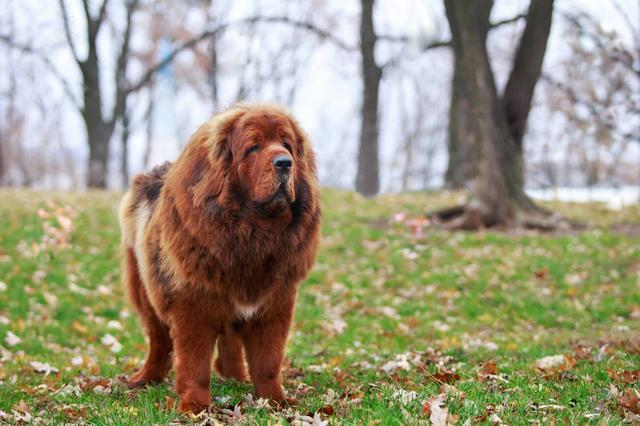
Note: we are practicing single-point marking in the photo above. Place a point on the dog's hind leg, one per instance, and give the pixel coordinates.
(158, 362)
(230, 360)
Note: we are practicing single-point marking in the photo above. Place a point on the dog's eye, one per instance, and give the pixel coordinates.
(251, 150)
(287, 145)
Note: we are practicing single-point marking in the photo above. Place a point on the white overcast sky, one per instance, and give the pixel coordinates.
(328, 97)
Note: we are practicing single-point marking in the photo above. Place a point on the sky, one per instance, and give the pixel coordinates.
(327, 99)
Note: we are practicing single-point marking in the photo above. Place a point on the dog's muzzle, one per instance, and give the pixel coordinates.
(282, 165)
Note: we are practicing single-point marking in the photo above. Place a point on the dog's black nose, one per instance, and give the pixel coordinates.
(282, 162)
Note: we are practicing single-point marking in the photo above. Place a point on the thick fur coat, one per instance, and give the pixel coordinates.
(215, 247)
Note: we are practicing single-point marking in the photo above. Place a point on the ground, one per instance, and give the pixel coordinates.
(400, 322)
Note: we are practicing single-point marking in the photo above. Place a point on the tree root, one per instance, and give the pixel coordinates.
(535, 218)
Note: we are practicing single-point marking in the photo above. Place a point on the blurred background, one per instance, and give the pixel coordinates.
(93, 91)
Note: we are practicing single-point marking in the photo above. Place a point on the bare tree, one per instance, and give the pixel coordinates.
(368, 175)
(498, 123)
(98, 125)
(461, 143)
(367, 178)
(596, 89)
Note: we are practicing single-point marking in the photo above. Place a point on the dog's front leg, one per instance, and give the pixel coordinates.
(264, 341)
(193, 341)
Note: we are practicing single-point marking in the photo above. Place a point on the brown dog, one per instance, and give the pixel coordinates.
(215, 247)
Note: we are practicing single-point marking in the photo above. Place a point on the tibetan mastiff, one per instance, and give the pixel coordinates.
(215, 246)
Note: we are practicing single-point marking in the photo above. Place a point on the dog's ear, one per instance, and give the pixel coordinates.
(303, 146)
(216, 141)
(202, 169)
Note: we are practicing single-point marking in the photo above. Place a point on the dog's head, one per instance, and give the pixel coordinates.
(249, 155)
(265, 151)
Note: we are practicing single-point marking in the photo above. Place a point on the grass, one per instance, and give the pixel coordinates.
(393, 314)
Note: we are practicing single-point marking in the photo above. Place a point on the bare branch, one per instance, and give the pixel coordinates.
(67, 31)
(429, 46)
(146, 78)
(435, 44)
(103, 11)
(619, 55)
(508, 21)
(305, 25)
(590, 106)
(102, 14)
(47, 62)
(93, 24)
(121, 66)
(324, 34)
(87, 12)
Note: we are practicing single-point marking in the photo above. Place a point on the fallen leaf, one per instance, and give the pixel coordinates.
(11, 339)
(42, 367)
(22, 407)
(630, 401)
(542, 273)
(405, 397)
(82, 329)
(555, 363)
(489, 368)
(437, 410)
(327, 410)
(445, 376)
(629, 377)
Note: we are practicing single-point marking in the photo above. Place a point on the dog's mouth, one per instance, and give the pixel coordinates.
(278, 202)
(281, 196)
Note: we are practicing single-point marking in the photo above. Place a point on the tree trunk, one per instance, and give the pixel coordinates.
(497, 194)
(461, 145)
(146, 157)
(213, 72)
(368, 178)
(99, 128)
(527, 67)
(495, 190)
(99, 138)
(124, 158)
(2, 165)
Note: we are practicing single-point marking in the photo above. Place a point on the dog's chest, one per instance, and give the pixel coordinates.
(246, 311)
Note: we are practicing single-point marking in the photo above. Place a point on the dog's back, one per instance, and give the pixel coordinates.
(138, 203)
(135, 211)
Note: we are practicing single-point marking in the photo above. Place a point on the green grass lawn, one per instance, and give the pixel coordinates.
(396, 314)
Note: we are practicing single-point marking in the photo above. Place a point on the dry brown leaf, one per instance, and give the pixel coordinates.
(22, 407)
(489, 367)
(630, 401)
(171, 402)
(629, 377)
(437, 410)
(327, 409)
(542, 273)
(445, 376)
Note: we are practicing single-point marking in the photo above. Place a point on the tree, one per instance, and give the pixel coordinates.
(497, 124)
(99, 127)
(461, 145)
(595, 90)
(368, 178)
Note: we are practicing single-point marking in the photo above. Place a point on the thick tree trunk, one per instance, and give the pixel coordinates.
(99, 132)
(496, 188)
(461, 145)
(497, 193)
(527, 67)
(99, 128)
(368, 178)
(99, 138)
